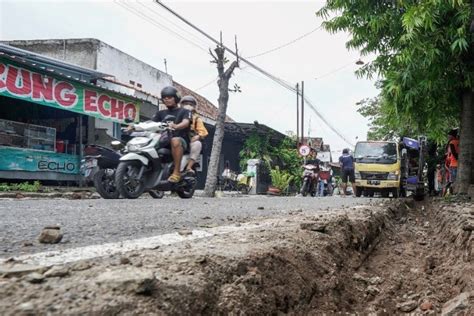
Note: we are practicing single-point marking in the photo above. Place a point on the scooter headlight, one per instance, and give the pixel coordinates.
(138, 142)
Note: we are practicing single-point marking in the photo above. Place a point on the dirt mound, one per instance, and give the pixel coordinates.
(385, 259)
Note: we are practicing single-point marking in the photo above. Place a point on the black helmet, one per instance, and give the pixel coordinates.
(170, 91)
(190, 99)
(345, 151)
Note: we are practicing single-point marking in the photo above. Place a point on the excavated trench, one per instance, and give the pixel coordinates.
(393, 258)
(410, 258)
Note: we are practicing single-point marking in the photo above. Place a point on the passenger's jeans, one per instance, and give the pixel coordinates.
(453, 172)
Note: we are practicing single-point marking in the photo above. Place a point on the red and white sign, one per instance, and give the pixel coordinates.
(304, 150)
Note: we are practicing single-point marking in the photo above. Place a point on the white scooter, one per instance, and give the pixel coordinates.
(148, 163)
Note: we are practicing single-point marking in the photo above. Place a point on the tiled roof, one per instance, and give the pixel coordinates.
(205, 107)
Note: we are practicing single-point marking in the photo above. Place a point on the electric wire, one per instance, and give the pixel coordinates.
(199, 39)
(334, 71)
(139, 14)
(207, 84)
(276, 79)
(215, 80)
(286, 44)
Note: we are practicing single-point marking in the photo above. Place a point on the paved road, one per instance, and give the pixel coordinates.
(91, 222)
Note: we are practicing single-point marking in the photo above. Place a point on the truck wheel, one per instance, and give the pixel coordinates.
(419, 195)
(358, 192)
(385, 193)
(396, 193)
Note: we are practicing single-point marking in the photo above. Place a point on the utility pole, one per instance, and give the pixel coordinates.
(302, 112)
(298, 115)
(166, 66)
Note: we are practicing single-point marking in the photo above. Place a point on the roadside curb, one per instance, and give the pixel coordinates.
(74, 195)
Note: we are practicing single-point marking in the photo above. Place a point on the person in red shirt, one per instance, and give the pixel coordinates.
(452, 154)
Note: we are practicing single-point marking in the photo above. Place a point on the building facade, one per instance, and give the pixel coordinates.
(121, 74)
(47, 113)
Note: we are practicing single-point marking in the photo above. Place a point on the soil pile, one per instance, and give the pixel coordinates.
(393, 258)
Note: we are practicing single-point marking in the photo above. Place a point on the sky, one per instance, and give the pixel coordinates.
(148, 32)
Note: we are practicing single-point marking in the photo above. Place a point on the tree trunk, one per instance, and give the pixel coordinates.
(223, 83)
(212, 174)
(465, 169)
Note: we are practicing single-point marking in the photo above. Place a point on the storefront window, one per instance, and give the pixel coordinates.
(22, 135)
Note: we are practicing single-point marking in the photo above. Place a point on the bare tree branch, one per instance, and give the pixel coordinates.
(213, 56)
(230, 70)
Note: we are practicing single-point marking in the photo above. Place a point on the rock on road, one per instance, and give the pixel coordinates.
(93, 222)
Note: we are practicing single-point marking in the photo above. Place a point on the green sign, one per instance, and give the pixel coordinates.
(29, 85)
(19, 159)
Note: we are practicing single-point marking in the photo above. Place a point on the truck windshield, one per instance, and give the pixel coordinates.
(376, 152)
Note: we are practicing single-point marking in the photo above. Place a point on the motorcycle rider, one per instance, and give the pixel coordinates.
(198, 131)
(313, 160)
(180, 135)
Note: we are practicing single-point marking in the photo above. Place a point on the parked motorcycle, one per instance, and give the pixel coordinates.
(325, 180)
(99, 166)
(309, 180)
(148, 163)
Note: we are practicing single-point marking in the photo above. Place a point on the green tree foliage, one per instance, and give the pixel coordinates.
(422, 57)
(256, 147)
(284, 155)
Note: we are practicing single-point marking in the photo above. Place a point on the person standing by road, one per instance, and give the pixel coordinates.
(452, 154)
(198, 131)
(346, 161)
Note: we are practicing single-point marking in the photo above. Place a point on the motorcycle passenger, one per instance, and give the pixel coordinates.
(180, 136)
(198, 131)
(346, 161)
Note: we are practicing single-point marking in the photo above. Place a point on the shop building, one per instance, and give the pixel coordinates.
(48, 110)
(107, 69)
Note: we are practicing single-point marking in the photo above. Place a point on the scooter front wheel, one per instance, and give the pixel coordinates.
(127, 181)
(305, 187)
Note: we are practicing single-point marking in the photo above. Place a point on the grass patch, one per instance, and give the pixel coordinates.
(23, 186)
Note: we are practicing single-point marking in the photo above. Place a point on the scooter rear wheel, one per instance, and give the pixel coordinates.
(187, 191)
(126, 179)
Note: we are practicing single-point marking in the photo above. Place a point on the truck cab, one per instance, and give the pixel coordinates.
(377, 168)
(389, 167)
